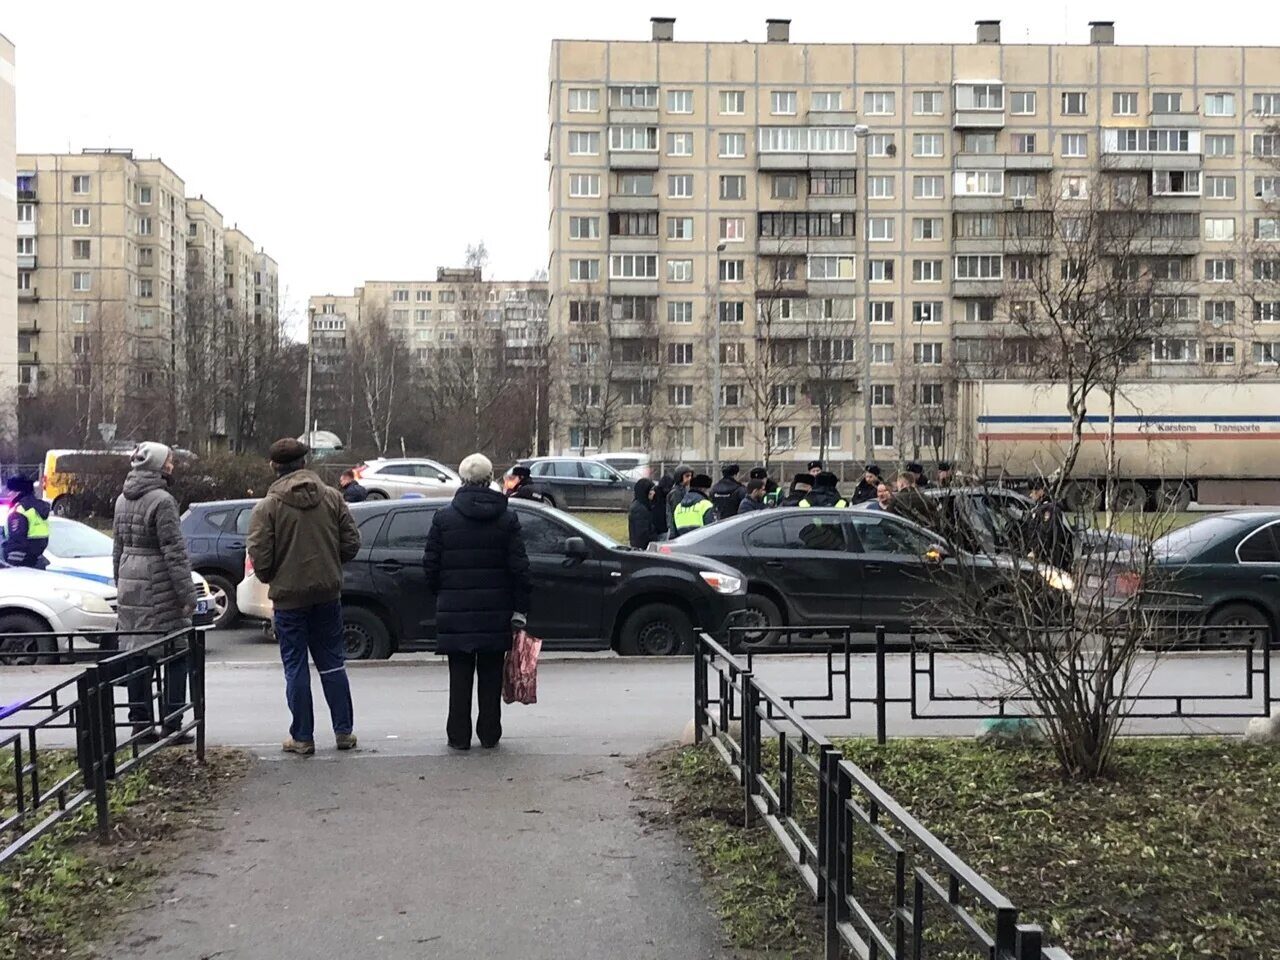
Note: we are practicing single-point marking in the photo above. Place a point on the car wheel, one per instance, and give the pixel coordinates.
(761, 613)
(19, 651)
(550, 501)
(376, 495)
(225, 612)
(1236, 623)
(64, 506)
(365, 635)
(655, 630)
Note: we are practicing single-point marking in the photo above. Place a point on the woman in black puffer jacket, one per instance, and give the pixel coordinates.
(477, 568)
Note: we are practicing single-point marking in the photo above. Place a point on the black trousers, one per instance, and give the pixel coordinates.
(486, 668)
(173, 694)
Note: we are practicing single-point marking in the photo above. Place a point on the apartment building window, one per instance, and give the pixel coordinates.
(144, 196)
(422, 296)
(984, 143)
(1220, 188)
(1219, 271)
(26, 246)
(635, 185)
(880, 187)
(733, 102)
(879, 271)
(633, 98)
(732, 353)
(880, 145)
(80, 313)
(679, 311)
(584, 143)
(680, 186)
(979, 183)
(1220, 312)
(833, 183)
(1219, 144)
(880, 229)
(733, 271)
(26, 212)
(878, 103)
(831, 268)
(680, 354)
(926, 271)
(1220, 352)
(834, 437)
(80, 184)
(1266, 145)
(1075, 145)
(927, 188)
(584, 394)
(1266, 351)
(1219, 228)
(634, 309)
(1166, 103)
(1266, 311)
(1266, 104)
(1173, 350)
(882, 311)
(1074, 103)
(1124, 103)
(81, 281)
(584, 228)
(1022, 186)
(785, 269)
(584, 185)
(623, 224)
(680, 271)
(882, 436)
(979, 311)
(584, 100)
(926, 103)
(24, 279)
(1024, 143)
(979, 267)
(680, 144)
(635, 393)
(80, 217)
(633, 139)
(582, 437)
(882, 394)
(680, 395)
(977, 225)
(926, 311)
(80, 250)
(1220, 105)
(679, 101)
(927, 354)
(733, 229)
(1266, 188)
(145, 288)
(825, 101)
(732, 311)
(784, 187)
(448, 296)
(733, 187)
(733, 145)
(733, 438)
(783, 103)
(633, 266)
(1266, 228)
(679, 228)
(400, 296)
(1170, 268)
(783, 395)
(881, 354)
(1075, 188)
(1022, 103)
(584, 271)
(784, 438)
(424, 316)
(1021, 268)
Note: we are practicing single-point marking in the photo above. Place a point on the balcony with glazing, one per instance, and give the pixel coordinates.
(978, 104)
(805, 148)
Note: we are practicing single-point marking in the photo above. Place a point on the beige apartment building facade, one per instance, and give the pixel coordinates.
(8, 240)
(753, 216)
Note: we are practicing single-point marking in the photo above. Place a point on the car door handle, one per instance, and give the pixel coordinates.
(873, 568)
(1271, 577)
(773, 563)
(236, 544)
(391, 566)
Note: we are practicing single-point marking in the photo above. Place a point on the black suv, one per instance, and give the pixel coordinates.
(215, 534)
(589, 592)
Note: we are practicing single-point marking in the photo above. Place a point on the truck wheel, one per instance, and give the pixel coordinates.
(365, 635)
(1082, 497)
(18, 651)
(1128, 497)
(1175, 494)
(655, 630)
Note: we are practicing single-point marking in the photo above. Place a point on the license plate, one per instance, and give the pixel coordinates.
(202, 606)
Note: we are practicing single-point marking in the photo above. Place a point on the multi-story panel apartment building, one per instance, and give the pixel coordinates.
(9, 238)
(766, 236)
(266, 291)
(205, 242)
(238, 271)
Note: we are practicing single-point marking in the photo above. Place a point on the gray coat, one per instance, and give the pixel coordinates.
(152, 571)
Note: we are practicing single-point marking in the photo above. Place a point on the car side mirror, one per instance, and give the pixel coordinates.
(935, 555)
(576, 548)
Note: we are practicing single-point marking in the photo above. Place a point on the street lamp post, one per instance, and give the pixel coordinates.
(860, 131)
(715, 370)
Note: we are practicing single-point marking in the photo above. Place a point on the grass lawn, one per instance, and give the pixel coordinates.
(65, 891)
(611, 524)
(1177, 856)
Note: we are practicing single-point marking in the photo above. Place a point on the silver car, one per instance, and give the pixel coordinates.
(390, 478)
(633, 466)
(580, 483)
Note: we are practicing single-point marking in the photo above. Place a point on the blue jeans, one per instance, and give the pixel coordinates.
(318, 630)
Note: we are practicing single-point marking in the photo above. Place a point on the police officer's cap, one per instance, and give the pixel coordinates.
(914, 468)
(19, 484)
(944, 465)
(730, 470)
(872, 469)
(803, 478)
(815, 464)
(759, 473)
(826, 480)
(700, 481)
(520, 472)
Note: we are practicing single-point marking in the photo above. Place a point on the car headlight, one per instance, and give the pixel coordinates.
(1057, 579)
(721, 582)
(88, 602)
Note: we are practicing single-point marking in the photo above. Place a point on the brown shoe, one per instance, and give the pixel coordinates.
(304, 748)
(346, 741)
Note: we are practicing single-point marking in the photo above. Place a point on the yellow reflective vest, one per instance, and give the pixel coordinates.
(692, 516)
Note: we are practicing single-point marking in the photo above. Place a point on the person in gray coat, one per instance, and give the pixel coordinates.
(154, 589)
(683, 474)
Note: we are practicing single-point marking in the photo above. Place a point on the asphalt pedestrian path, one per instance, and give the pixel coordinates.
(506, 853)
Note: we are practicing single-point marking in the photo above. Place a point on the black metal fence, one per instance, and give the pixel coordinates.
(61, 748)
(888, 887)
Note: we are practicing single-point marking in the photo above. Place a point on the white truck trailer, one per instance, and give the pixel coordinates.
(1177, 442)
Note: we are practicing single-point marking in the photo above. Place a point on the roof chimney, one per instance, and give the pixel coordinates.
(1102, 32)
(664, 28)
(988, 31)
(778, 31)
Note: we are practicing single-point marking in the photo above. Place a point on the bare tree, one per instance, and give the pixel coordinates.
(833, 366)
(775, 367)
(377, 368)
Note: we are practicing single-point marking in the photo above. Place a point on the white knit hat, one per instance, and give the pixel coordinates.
(476, 468)
(149, 455)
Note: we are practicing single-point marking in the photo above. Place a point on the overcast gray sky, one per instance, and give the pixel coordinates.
(374, 140)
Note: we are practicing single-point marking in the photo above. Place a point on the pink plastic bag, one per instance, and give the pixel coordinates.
(520, 672)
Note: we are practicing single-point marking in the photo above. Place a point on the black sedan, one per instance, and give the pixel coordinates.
(1221, 572)
(831, 567)
(589, 592)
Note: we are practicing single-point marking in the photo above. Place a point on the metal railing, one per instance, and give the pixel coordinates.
(836, 825)
(61, 748)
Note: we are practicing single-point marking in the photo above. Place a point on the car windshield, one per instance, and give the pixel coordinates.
(69, 540)
(1188, 542)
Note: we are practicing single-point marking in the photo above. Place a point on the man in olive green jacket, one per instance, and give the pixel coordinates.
(300, 535)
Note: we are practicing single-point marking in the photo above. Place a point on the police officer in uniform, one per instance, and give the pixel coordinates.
(695, 509)
(825, 493)
(523, 487)
(727, 494)
(866, 488)
(771, 493)
(27, 525)
(1046, 535)
(801, 486)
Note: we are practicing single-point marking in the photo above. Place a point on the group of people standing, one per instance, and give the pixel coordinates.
(686, 500)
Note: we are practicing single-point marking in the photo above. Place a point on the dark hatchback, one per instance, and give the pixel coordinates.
(1220, 572)
(215, 534)
(589, 592)
(819, 567)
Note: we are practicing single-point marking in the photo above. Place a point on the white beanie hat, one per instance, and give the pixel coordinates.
(149, 455)
(476, 468)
